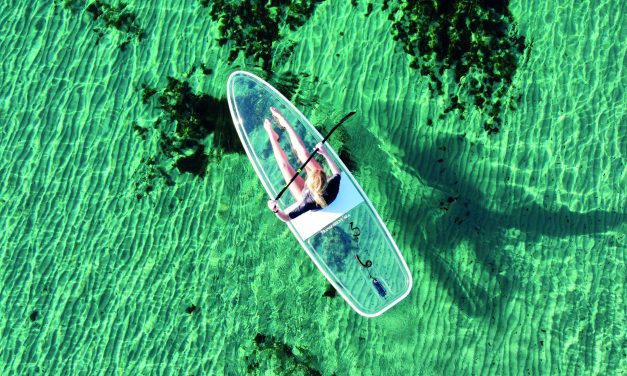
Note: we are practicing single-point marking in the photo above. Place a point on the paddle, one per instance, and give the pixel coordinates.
(300, 169)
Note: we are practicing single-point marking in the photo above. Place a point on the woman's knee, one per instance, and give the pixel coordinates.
(285, 166)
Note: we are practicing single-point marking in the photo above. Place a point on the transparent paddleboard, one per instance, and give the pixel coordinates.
(347, 240)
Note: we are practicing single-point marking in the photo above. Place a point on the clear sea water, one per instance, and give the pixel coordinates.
(516, 240)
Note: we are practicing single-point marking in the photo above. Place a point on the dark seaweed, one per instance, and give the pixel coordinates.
(115, 17)
(182, 133)
(477, 40)
(252, 27)
(196, 116)
(195, 164)
(149, 174)
(107, 17)
(336, 246)
(286, 83)
(73, 5)
(141, 131)
(291, 360)
(147, 93)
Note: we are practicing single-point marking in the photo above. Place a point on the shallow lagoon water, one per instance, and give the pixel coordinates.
(516, 240)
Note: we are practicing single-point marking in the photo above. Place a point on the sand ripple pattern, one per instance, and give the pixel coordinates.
(516, 241)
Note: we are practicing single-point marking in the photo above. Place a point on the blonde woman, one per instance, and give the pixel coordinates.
(315, 192)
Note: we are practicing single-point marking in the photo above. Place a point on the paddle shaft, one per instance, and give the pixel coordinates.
(300, 169)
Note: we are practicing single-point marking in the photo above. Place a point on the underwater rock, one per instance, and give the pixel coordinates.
(206, 70)
(331, 292)
(477, 41)
(34, 315)
(191, 309)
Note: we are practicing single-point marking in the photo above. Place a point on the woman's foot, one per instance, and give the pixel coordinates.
(279, 118)
(268, 126)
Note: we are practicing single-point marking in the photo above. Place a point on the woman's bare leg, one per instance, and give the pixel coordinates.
(296, 188)
(296, 141)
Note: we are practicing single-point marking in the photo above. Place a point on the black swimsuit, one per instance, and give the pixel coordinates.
(308, 203)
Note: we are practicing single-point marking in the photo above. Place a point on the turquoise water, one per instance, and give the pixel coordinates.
(116, 259)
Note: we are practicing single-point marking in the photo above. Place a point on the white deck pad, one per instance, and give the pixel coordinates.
(313, 221)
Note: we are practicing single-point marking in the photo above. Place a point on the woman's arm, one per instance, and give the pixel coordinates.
(325, 154)
(279, 213)
(283, 216)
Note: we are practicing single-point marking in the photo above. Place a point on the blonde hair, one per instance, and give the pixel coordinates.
(317, 183)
